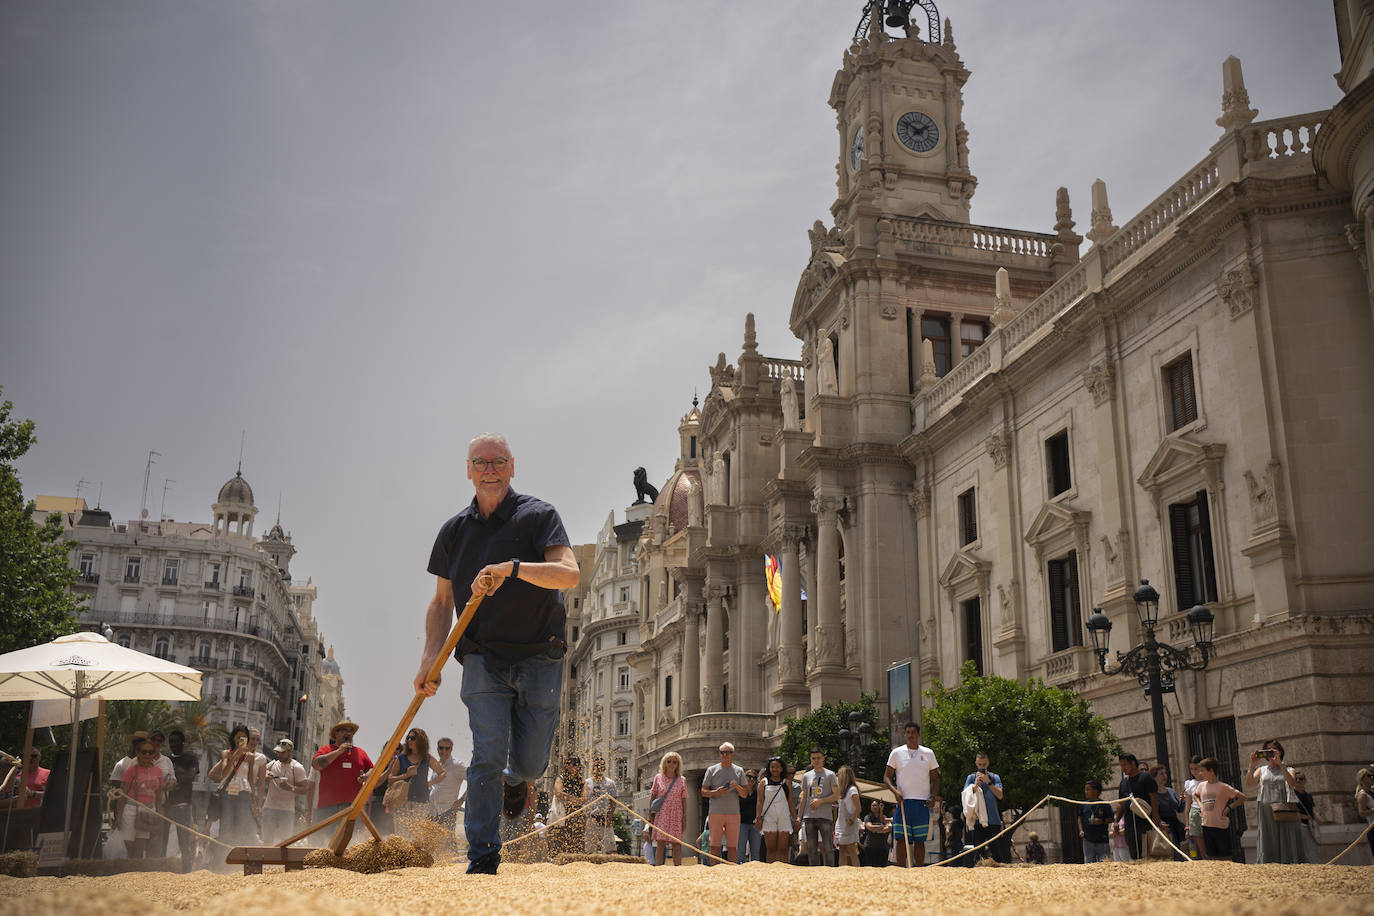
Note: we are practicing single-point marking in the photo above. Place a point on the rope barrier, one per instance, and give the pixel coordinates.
(119, 793)
(1137, 806)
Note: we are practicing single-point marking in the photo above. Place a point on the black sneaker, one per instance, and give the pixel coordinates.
(514, 801)
(485, 865)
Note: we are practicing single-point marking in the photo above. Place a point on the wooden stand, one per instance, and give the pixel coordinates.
(254, 857)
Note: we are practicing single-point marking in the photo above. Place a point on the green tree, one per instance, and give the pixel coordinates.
(1041, 740)
(821, 728)
(37, 604)
(204, 735)
(124, 717)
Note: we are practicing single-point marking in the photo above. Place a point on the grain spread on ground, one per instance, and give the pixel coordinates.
(580, 887)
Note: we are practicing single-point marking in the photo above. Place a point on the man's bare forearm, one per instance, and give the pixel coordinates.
(438, 619)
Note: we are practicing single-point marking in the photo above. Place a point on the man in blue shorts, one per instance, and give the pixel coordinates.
(913, 775)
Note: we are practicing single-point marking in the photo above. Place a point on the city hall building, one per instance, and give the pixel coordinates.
(990, 432)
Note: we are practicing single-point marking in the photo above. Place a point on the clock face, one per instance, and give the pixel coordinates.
(917, 132)
(856, 150)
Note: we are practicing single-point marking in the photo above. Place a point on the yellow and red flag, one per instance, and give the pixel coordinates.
(773, 575)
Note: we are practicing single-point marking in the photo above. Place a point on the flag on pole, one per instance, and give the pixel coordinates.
(773, 575)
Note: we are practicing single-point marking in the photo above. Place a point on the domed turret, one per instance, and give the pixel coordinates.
(233, 509)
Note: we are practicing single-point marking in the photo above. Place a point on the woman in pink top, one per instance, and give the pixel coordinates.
(1216, 800)
(143, 782)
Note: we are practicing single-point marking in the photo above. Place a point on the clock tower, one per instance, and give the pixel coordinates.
(899, 107)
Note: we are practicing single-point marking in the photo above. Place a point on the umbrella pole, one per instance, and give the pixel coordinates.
(71, 769)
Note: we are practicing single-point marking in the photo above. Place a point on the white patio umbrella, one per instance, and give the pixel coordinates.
(88, 666)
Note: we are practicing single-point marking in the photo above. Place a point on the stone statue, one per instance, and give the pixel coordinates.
(644, 491)
(826, 384)
(791, 416)
(718, 482)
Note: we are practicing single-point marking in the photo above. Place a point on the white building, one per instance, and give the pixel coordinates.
(211, 596)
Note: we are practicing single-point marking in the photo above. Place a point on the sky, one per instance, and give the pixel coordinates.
(349, 236)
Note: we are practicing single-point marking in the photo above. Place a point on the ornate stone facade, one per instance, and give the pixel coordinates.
(1160, 406)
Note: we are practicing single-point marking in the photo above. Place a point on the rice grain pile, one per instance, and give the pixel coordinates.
(1158, 888)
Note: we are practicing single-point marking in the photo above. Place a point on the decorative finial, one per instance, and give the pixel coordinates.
(694, 397)
(928, 375)
(243, 437)
(1101, 216)
(949, 35)
(751, 340)
(1063, 213)
(1235, 101)
(1002, 311)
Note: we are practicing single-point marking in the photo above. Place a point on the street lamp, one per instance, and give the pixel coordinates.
(1153, 663)
(855, 741)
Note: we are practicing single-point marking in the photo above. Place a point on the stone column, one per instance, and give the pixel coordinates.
(790, 672)
(828, 638)
(956, 338)
(691, 658)
(713, 681)
(748, 622)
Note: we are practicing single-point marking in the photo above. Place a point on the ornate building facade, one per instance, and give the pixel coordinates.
(603, 617)
(211, 596)
(991, 431)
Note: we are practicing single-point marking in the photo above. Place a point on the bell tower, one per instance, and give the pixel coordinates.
(899, 105)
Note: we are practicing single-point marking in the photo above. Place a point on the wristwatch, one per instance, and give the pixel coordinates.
(515, 569)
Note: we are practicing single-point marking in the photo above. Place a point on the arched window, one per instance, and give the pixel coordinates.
(160, 648)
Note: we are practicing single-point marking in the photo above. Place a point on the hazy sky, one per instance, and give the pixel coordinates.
(362, 233)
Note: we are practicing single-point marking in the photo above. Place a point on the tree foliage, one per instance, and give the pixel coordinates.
(821, 728)
(124, 717)
(1040, 740)
(37, 604)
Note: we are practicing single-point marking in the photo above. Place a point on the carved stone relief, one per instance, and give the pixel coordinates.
(1100, 380)
(1264, 496)
(998, 446)
(1237, 289)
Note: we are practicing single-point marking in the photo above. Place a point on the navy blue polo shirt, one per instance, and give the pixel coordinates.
(519, 619)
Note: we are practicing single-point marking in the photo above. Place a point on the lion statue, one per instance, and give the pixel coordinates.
(645, 491)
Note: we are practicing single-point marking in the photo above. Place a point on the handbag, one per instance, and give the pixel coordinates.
(1286, 812)
(396, 794)
(215, 805)
(657, 803)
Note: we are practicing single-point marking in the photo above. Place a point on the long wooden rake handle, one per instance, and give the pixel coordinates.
(350, 814)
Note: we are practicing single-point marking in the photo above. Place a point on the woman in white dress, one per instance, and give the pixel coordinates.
(775, 820)
(847, 818)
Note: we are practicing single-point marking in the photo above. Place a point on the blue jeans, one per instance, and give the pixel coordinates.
(1096, 852)
(750, 845)
(513, 712)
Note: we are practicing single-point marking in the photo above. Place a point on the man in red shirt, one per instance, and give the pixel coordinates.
(342, 768)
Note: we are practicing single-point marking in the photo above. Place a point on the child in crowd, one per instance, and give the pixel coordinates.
(1120, 851)
(1094, 824)
(1216, 799)
(1035, 853)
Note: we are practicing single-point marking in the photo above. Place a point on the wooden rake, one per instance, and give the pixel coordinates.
(348, 818)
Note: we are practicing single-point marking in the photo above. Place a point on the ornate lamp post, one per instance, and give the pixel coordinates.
(855, 741)
(1153, 663)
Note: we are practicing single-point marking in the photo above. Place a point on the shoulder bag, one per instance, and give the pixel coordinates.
(216, 802)
(657, 803)
(398, 792)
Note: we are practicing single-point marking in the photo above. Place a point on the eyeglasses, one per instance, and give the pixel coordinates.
(445, 747)
(727, 752)
(1302, 779)
(493, 464)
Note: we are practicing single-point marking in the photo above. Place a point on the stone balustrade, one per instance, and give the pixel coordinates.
(1063, 293)
(957, 379)
(730, 726)
(979, 238)
(1282, 138)
(783, 368)
(1161, 213)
